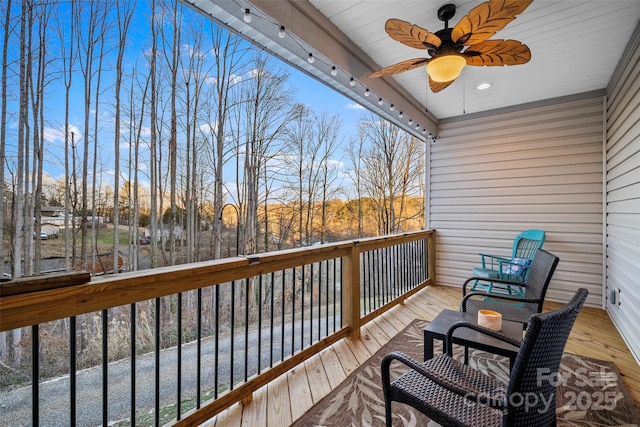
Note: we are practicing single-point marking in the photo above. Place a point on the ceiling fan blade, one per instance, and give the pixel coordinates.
(484, 20)
(497, 52)
(411, 35)
(400, 67)
(438, 86)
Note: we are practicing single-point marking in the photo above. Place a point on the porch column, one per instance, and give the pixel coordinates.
(351, 290)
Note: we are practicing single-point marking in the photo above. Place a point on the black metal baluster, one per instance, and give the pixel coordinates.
(199, 349)
(35, 375)
(378, 273)
(368, 265)
(411, 265)
(402, 252)
(408, 260)
(326, 266)
(282, 303)
(365, 278)
(72, 370)
(157, 360)
(341, 293)
(179, 359)
(233, 332)
(302, 279)
(105, 369)
(369, 268)
(375, 269)
(391, 271)
(273, 291)
(397, 269)
(246, 329)
(319, 300)
(366, 304)
(132, 338)
(259, 322)
(293, 309)
(311, 306)
(423, 260)
(216, 354)
(385, 293)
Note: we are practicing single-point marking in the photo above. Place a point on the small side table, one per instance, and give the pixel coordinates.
(438, 327)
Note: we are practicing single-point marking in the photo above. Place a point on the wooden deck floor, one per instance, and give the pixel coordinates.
(284, 400)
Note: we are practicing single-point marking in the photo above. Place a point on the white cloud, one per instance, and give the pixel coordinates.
(208, 128)
(354, 106)
(57, 134)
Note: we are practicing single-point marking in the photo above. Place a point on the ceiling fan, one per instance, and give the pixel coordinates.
(450, 49)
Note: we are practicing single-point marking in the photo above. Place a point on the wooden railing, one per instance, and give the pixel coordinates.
(271, 311)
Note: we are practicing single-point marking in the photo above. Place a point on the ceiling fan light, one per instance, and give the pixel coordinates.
(446, 68)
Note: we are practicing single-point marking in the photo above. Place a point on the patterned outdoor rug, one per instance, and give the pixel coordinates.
(594, 394)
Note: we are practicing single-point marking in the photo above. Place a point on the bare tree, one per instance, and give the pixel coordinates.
(356, 153)
(229, 60)
(3, 135)
(90, 37)
(300, 157)
(37, 101)
(172, 61)
(68, 58)
(124, 10)
(311, 143)
(153, 134)
(18, 204)
(266, 112)
(393, 165)
(327, 138)
(7, 28)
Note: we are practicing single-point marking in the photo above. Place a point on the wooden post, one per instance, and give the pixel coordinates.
(351, 291)
(431, 257)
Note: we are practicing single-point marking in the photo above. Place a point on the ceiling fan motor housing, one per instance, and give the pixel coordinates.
(446, 12)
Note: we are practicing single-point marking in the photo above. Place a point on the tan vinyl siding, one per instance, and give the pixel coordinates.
(538, 166)
(623, 195)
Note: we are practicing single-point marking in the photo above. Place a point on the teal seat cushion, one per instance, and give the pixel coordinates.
(485, 272)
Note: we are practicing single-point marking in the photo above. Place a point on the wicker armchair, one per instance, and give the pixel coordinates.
(515, 308)
(453, 394)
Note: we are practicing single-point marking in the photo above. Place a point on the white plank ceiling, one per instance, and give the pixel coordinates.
(575, 47)
(575, 44)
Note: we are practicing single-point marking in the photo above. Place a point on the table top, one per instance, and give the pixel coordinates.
(439, 326)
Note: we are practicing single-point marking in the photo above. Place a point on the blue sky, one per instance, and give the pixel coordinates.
(315, 94)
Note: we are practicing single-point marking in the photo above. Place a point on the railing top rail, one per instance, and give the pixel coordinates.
(104, 292)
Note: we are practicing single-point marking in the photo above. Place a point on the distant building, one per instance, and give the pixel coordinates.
(52, 211)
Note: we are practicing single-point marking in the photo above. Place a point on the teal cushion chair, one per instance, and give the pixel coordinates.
(514, 269)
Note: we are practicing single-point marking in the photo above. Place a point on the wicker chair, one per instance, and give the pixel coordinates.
(515, 308)
(453, 394)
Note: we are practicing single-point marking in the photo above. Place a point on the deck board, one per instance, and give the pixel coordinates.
(317, 376)
(593, 335)
(300, 397)
(333, 367)
(278, 408)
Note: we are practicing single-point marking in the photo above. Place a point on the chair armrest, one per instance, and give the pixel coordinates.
(506, 282)
(495, 334)
(445, 380)
(402, 358)
(492, 259)
(463, 303)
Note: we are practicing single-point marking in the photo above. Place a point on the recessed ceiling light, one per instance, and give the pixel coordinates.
(482, 86)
